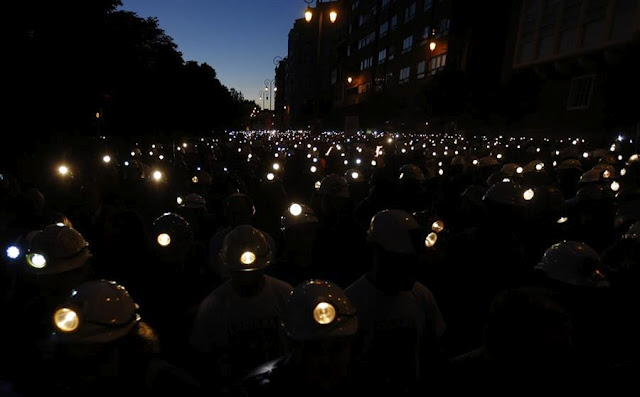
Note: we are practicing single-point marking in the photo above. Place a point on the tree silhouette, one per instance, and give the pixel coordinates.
(82, 68)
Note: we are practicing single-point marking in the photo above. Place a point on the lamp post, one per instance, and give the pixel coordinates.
(308, 16)
(268, 88)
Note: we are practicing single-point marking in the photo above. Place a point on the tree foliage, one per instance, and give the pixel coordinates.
(85, 67)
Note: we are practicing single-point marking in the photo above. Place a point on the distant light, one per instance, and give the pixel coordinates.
(557, 152)
(519, 170)
(538, 150)
(499, 155)
(126, 163)
(346, 162)
(585, 155)
(179, 200)
(606, 174)
(404, 150)
(539, 166)
(13, 252)
(555, 163)
(434, 154)
(317, 185)
(562, 219)
(430, 240)
(373, 163)
(63, 170)
(150, 153)
(358, 161)
(620, 138)
(528, 194)
(615, 186)
(389, 140)
(354, 175)
(313, 168)
(276, 166)
(437, 226)
(475, 162)
(133, 154)
(157, 175)
(623, 172)
(194, 179)
(270, 176)
(184, 145)
(106, 158)
(295, 209)
(506, 180)
(620, 157)
(333, 16)
(440, 171)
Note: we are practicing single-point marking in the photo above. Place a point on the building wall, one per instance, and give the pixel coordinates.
(582, 52)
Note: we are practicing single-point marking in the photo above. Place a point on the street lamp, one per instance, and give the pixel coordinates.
(432, 45)
(349, 79)
(268, 88)
(308, 15)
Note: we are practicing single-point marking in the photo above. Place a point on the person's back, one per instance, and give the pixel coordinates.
(400, 323)
(237, 325)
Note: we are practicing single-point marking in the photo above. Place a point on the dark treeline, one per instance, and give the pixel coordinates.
(71, 60)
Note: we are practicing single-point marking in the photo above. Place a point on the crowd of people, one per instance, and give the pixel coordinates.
(288, 263)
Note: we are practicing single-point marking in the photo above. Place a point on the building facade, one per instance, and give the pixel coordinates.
(584, 58)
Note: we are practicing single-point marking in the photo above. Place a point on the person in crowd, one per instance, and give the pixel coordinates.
(236, 326)
(401, 326)
(320, 325)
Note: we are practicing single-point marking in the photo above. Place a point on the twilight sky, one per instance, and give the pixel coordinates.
(238, 38)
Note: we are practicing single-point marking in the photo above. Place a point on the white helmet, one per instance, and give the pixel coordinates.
(246, 248)
(57, 249)
(319, 309)
(573, 263)
(395, 231)
(96, 311)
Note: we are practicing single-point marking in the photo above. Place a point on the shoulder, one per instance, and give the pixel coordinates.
(277, 284)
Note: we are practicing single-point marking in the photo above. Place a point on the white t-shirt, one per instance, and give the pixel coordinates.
(242, 331)
(394, 329)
